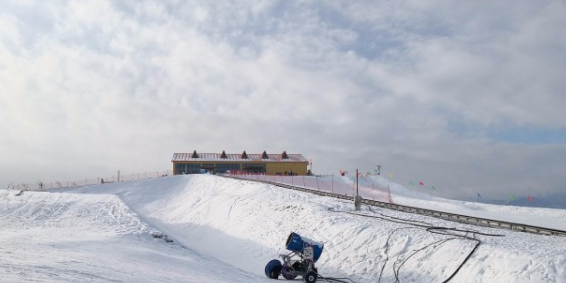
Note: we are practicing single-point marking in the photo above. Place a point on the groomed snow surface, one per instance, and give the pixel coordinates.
(204, 228)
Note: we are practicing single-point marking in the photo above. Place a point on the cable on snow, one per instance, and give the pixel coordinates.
(455, 234)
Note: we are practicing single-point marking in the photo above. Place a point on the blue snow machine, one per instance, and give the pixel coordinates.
(299, 261)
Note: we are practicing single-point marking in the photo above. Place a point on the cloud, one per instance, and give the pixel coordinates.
(89, 87)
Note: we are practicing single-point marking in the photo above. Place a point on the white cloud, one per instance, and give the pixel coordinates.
(92, 86)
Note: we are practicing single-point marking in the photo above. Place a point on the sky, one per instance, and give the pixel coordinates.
(467, 97)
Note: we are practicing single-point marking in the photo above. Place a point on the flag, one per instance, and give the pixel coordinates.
(479, 196)
(433, 188)
(421, 183)
(310, 161)
(512, 198)
(390, 175)
(411, 183)
(530, 198)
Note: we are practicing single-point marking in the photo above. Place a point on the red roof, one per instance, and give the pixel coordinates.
(180, 157)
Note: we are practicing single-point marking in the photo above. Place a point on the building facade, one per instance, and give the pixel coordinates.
(219, 163)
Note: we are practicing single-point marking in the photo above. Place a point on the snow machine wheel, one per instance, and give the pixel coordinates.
(286, 272)
(310, 277)
(273, 269)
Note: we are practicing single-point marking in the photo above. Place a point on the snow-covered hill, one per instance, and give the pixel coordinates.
(204, 228)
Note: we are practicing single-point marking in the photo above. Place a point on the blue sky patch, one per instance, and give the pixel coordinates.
(531, 135)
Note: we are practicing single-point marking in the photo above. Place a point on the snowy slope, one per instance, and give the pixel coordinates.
(92, 238)
(225, 230)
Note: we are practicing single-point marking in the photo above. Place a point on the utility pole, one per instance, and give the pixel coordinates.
(357, 198)
(357, 188)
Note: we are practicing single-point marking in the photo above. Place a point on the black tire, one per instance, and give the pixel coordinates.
(273, 269)
(310, 277)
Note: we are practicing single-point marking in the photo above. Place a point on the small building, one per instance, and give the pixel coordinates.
(219, 163)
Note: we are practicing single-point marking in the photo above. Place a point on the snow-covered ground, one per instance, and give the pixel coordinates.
(203, 228)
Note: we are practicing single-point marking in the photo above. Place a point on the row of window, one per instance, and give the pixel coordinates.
(192, 168)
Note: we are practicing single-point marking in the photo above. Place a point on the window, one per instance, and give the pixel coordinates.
(193, 168)
(223, 167)
(187, 168)
(254, 168)
(180, 168)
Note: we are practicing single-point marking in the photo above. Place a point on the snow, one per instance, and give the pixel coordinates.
(204, 228)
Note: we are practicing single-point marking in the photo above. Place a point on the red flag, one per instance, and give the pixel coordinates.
(530, 198)
(421, 183)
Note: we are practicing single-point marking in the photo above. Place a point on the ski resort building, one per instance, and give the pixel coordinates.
(218, 163)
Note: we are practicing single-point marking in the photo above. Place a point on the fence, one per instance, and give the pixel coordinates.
(334, 184)
(93, 181)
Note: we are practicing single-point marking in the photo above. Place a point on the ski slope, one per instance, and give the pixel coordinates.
(203, 228)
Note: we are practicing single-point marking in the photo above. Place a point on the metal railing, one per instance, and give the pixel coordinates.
(39, 186)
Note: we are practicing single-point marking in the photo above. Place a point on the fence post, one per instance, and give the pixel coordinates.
(332, 187)
(354, 189)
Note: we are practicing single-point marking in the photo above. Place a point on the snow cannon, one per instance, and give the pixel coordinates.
(300, 245)
(304, 252)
